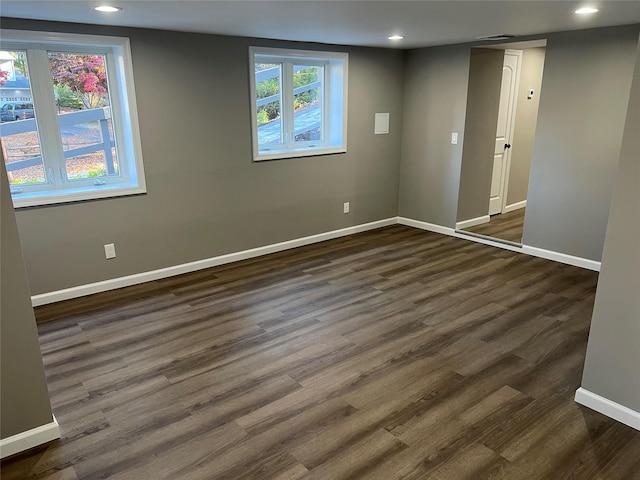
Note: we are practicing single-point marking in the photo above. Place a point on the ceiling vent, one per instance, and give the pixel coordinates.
(498, 36)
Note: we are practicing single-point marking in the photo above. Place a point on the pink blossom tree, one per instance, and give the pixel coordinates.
(85, 75)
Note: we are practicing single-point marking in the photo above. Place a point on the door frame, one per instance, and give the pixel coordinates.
(511, 125)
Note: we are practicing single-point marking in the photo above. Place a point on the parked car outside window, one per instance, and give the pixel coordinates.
(16, 111)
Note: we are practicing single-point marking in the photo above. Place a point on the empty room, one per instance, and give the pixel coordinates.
(320, 240)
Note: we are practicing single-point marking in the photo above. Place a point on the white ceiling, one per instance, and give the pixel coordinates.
(348, 22)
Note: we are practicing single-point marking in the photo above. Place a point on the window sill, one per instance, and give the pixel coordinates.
(303, 152)
(37, 199)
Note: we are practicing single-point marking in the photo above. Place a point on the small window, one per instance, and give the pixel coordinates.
(73, 133)
(299, 103)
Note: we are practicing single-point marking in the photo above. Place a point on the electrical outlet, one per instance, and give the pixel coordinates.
(110, 251)
(346, 207)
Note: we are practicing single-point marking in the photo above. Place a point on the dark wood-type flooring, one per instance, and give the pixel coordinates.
(504, 226)
(395, 353)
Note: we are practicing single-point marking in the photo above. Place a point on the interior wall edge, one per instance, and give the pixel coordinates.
(608, 408)
(34, 437)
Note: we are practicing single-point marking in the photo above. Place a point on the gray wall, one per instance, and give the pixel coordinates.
(435, 98)
(205, 195)
(585, 92)
(24, 399)
(613, 352)
(525, 124)
(483, 103)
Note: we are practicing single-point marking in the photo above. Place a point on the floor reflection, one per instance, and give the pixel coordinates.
(504, 226)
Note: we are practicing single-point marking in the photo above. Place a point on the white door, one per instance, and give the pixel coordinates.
(504, 132)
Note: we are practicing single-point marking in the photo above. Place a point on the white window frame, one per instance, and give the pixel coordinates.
(123, 110)
(333, 95)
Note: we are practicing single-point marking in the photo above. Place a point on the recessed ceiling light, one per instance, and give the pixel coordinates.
(107, 8)
(586, 10)
(396, 37)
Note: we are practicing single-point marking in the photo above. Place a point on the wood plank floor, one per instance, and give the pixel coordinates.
(505, 226)
(395, 353)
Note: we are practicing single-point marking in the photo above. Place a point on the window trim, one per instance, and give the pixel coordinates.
(336, 68)
(123, 105)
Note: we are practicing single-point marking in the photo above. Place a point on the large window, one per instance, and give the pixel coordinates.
(299, 103)
(69, 128)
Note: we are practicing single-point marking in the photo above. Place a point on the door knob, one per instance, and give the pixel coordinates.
(507, 145)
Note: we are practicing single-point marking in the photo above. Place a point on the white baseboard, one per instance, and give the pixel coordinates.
(472, 222)
(609, 408)
(486, 240)
(515, 206)
(562, 258)
(129, 280)
(430, 227)
(29, 439)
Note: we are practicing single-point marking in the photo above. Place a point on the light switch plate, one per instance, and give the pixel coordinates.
(454, 138)
(110, 251)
